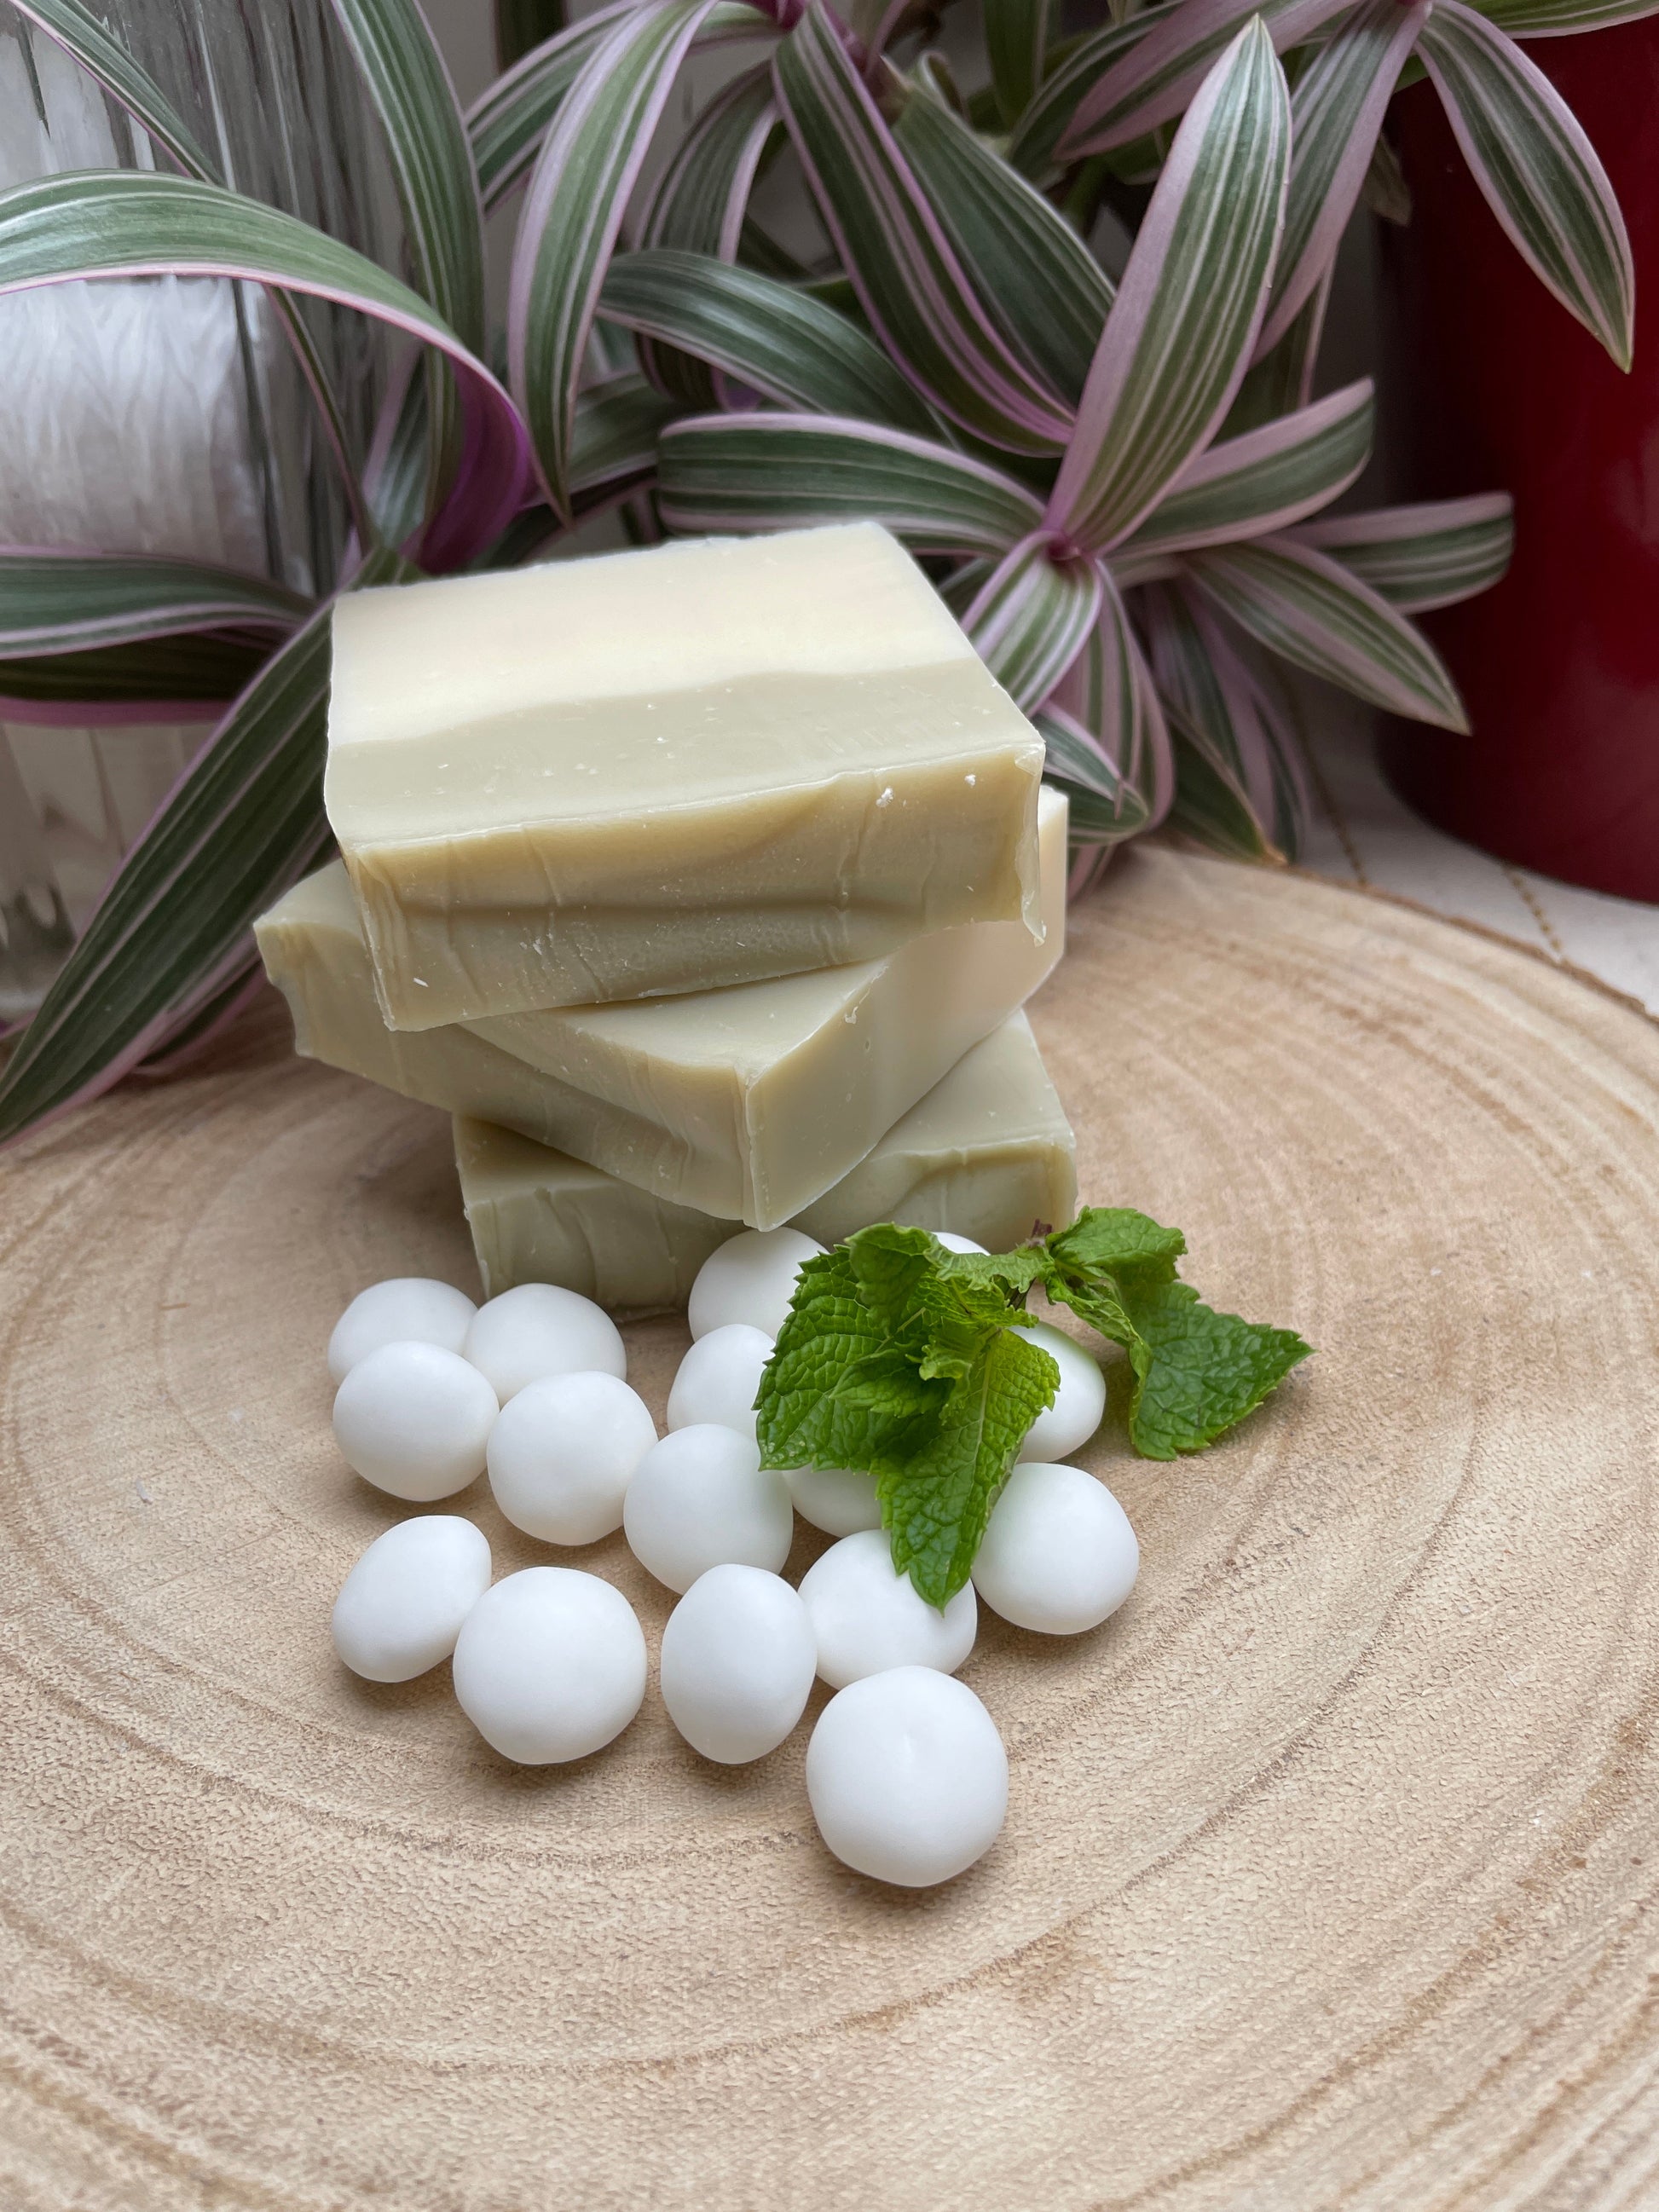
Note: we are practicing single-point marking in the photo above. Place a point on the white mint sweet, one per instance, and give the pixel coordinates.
(415, 1420)
(407, 1310)
(700, 1499)
(908, 1777)
(539, 1328)
(401, 1607)
(837, 1499)
(562, 1455)
(738, 1661)
(866, 1618)
(953, 1242)
(718, 1377)
(751, 1277)
(1078, 1403)
(549, 1665)
(1059, 1553)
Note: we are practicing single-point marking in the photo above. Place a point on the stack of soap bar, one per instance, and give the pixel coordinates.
(713, 762)
(748, 1103)
(988, 1153)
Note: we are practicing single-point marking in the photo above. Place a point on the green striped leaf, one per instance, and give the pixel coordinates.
(617, 428)
(573, 210)
(700, 204)
(1556, 18)
(244, 822)
(1180, 334)
(59, 603)
(1031, 617)
(1418, 558)
(1016, 43)
(157, 679)
(783, 471)
(1305, 607)
(773, 337)
(1104, 808)
(1224, 782)
(1036, 136)
(1108, 699)
(1033, 275)
(908, 277)
(1539, 172)
(1267, 478)
(1336, 113)
(1280, 380)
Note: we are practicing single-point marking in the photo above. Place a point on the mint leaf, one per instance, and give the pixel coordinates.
(935, 1502)
(1113, 1240)
(1198, 1371)
(837, 1390)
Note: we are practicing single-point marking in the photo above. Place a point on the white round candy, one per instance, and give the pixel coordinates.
(539, 1328)
(738, 1661)
(908, 1778)
(1078, 1403)
(407, 1310)
(563, 1453)
(699, 1499)
(718, 1377)
(401, 1607)
(866, 1618)
(415, 1419)
(953, 1242)
(550, 1664)
(1059, 1553)
(837, 1499)
(751, 1277)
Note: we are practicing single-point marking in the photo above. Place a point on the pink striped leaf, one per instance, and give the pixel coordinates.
(1559, 19)
(906, 274)
(1108, 694)
(1280, 380)
(1336, 113)
(698, 207)
(1159, 74)
(578, 195)
(54, 602)
(1017, 43)
(244, 822)
(1031, 617)
(764, 471)
(1310, 609)
(1422, 556)
(1180, 334)
(1225, 783)
(1267, 479)
(1036, 136)
(1540, 173)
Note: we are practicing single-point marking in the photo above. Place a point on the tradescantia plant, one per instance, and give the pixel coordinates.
(1116, 475)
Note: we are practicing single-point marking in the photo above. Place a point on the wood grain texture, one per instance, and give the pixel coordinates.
(1329, 1872)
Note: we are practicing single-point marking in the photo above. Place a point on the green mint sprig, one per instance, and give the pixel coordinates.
(899, 1356)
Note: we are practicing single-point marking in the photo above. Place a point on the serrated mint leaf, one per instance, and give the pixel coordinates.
(935, 1502)
(1014, 1272)
(836, 1390)
(1202, 1370)
(1115, 1238)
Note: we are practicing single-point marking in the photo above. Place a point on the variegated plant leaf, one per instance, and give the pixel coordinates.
(1181, 331)
(185, 678)
(523, 25)
(1307, 608)
(762, 471)
(699, 205)
(578, 195)
(1224, 785)
(128, 222)
(1538, 170)
(1267, 479)
(1029, 619)
(242, 823)
(1159, 74)
(1034, 141)
(1336, 113)
(1422, 556)
(53, 602)
(1385, 190)
(1031, 272)
(1280, 380)
(908, 279)
(1016, 43)
(1109, 692)
(1103, 810)
(1559, 19)
(778, 340)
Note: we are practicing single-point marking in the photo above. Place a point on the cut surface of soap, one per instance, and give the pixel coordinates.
(749, 1103)
(988, 1153)
(705, 762)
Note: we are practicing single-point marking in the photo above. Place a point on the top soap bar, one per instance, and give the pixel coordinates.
(710, 763)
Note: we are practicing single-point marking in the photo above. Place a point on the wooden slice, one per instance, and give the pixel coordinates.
(1327, 1879)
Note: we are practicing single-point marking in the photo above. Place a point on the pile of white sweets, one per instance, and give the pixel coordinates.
(905, 1772)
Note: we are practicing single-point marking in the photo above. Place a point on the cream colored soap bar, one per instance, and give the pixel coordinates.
(714, 761)
(988, 1153)
(748, 1103)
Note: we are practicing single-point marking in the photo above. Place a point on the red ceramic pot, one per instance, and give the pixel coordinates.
(1503, 389)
